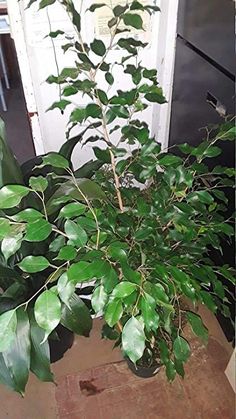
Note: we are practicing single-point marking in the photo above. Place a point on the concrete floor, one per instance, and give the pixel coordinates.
(204, 394)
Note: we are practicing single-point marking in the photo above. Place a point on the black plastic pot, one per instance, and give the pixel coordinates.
(143, 372)
(58, 347)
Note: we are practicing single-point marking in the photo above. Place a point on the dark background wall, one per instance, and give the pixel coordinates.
(204, 69)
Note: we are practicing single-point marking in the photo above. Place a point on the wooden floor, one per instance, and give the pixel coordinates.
(93, 382)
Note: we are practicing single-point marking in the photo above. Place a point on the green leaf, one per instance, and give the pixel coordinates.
(179, 367)
(10, 245)
(17, 356)
(133, 20)
(67, 253)
(93, 111)
(40, 353)
(96, 6)
(5, 376)
(68, 191)
(169, 160)
(208, 301)
(4, 227)
(56, 244)
(112, 22)
(201, 196)
(98, 47)
(109, 78)
(56, 160)
(38, 183)
(11, 195)
(75, 233)
(133, 339)
(119, 10)
(123, 289)
(54, 34)
(197, 326)
(29, 215)
(38, 230)
(99, 299)
(80, 272)
(116, 252)
(77, 318)
(72, 210)
(181, 349)
(47, 311)
(76, 19)
(170, 370)
(150, 316)
(113, 312)
(65, 288)
(45, 3)
(102, 97)
(62, 104)
(8, 324)
(32, 264)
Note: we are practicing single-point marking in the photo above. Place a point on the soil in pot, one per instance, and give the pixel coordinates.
(60, 343)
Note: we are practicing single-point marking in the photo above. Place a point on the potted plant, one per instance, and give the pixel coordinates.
(139, 239)
(39, 308)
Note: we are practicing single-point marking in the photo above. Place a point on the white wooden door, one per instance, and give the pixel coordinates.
(36, 56)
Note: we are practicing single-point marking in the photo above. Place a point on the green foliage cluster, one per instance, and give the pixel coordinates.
(132, 228)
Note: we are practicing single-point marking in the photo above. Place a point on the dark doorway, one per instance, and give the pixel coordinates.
(16, 119)
(204, 71)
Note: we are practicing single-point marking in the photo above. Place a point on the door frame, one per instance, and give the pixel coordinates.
(14, 8)
(165, 66)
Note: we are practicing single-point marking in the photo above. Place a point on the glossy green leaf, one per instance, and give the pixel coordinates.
(34, 264)
(77, 318)
(28, 214)
(10, 245)
(80, 272)
(47, 311)
(66, 288)
(67, 253)
(4, 227)
(5, 375)
(99, 299)
(40, 353)
(72, 210)
(181, 349)
(17, 356)
(113, 312)
(38, 183)
(123, 289)
(11, 195)
(202, 196)
(208, 300)
(56, 244)
(56, 160)
(169, 160)
(149, 314)
(197, 326)
(38, 230)
(68, 191)
(8, 324)
(133, 339)
(75, 233)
